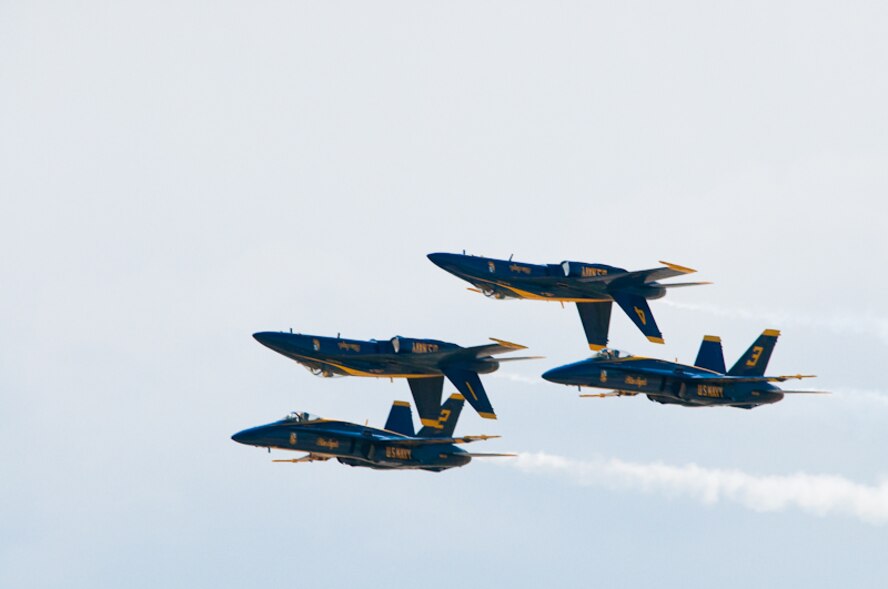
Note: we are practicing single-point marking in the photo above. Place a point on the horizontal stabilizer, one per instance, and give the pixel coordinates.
(640, 276)
(500, 347)
(508, 345)
(680, 284)
(516, 358)
(488, 455)
(735, 379)
(432, 441)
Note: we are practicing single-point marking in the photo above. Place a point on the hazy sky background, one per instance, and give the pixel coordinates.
(175, 176)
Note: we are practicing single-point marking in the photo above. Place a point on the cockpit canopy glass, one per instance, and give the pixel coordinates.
(301, 417)
(612, 353)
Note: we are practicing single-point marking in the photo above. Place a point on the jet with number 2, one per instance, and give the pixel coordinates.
(423, 362)
(593, 287)
(394, 447)
(705, 384)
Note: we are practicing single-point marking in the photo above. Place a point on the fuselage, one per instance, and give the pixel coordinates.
(665, 382)
(398, 357)
(504, 279)
(353, 444)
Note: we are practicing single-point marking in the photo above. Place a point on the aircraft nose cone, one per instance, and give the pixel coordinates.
(564, 374)
(441, 260)
(273, 339)
(254, 436)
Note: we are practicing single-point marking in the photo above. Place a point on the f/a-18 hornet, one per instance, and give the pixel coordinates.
(423, 362)
(394, 447)
(593, 287)
(704, 384)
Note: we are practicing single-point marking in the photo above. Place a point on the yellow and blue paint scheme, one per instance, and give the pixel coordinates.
(395, 447)
(593, 287)
(423, 362)
(704, 384)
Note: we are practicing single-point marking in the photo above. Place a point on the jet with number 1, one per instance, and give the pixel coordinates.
(395, 447)
(705, 384)
(423, 362)
(593, 287)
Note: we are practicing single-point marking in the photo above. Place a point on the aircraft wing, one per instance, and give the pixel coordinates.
(429, 441)
(729, 379)
(310, 457)
(641, 276)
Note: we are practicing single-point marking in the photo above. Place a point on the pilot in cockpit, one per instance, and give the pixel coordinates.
(612, 353)
(301, 417)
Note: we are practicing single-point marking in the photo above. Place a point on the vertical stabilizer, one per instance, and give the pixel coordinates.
(447, 419)
(711, 355)
(400, 419)
(755, 360)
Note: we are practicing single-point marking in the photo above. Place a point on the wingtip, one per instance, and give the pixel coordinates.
(677, 268)
(507, 344)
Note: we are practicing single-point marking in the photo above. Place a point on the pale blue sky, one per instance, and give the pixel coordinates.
(177, 175)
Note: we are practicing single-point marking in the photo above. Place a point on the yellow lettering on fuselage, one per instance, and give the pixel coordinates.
(517, 268)
(589, 271)
(328, 443)
(399, 453)
(639, 382)
(348, 346)
(710, 390)
(424, 348)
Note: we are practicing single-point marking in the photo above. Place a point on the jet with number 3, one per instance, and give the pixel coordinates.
(705, 384)
(423, 362)
(593, 287)
(396, 447)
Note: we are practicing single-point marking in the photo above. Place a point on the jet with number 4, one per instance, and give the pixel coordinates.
(593, 287)
(423, 362)
(396, 447)
(705, 384)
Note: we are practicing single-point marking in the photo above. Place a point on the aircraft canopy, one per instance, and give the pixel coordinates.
(612, 353)
(301, 417)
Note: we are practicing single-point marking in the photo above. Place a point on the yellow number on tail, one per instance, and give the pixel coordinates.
(756, 353)
(641, 316)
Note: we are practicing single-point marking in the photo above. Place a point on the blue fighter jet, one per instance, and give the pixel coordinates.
(423, 362)
(593, 287)
(705, 384)
(395, 447)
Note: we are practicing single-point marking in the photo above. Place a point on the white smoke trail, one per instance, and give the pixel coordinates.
(844, 324)
(817, 494)
(518, 378)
